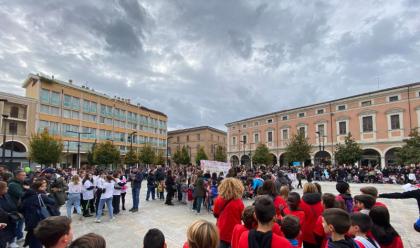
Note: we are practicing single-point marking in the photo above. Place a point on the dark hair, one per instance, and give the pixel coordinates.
(154, 238)
(369, 190)
(264, 209)
(16, 172)
(342, 187)
(37, 184)
(318, 186)
(290, 226)
(362, 220)
(90, 240)
(51, 229)
(338, 218)
(293, 200)
(367, 200)
(248, 217)
(268, 188)
(382, 230)
(329, 201)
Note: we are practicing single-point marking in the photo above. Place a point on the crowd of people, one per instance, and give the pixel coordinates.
(278, 217)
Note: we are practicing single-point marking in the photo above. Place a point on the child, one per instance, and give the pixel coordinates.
(213, 193)
(284, 192)
(249, 223)
(336, 222)
(293, 201)
(184, 190)
(364, 203)
(345, 197)
(154, 238)
(262, 236)
(190, 196)
(161, 190)
(360, 225)
(372, 191)
(291, 229)
(382, 231)
(328, 201)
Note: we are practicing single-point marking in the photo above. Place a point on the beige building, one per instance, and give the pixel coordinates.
(17, 125)
(194, 138)
(82, 116)
(378, 120)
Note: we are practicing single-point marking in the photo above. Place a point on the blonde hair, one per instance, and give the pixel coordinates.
(284, 191)
(310, 188)
(202, 234)
(75, 179)
(231, 188)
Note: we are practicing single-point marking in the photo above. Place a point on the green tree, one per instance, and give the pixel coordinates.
(106, 153)
(147, 154)
(298, 149)
(201, 155)
(131, 157)
(262, 155)
(185, 156)
(220, 154)
(176, 157)
(159, 159)
(45, 149)
(349, 152)
(410, 152)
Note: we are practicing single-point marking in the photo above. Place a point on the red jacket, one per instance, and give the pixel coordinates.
(319, 230)
(229, 215)
(279, 201)
(311, 205)
(276, 241)
(239, 229)
(300, 214)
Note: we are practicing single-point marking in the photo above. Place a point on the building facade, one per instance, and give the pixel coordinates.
(17, 126)
(66, 109)
(193, 138)
(379, 121)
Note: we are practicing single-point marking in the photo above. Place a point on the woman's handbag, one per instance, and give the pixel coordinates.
(43, 210)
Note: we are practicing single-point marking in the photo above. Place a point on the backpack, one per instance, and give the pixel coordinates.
(214, 192)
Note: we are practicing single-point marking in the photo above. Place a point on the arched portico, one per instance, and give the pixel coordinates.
(234, 160)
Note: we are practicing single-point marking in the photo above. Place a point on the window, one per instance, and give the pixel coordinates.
(285, 134)
(270, 121)
(342, 128)
(321, 130)
(367, 123)
(234, 141)
(14, 112)
(270, 136)
(67, 101)
(13, 128)
(256, 123)
(45, 109)
(69, 129)
(302, 130)
(90, 133)
(320, 111)
(366, 103)
(244, 139)
(256, 138)
(75, 103)
(52, 127)
(55, 98)
(302, 114)
(393, 98)
(88, 117)
(244, 126)
(66, 113)
(45, 96)
(50, 110)
(188, 138)
(104, 120)
(341, 107)
(395, 122)
(285, 117)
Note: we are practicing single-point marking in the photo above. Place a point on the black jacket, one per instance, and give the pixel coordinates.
(151, 179)
(30, 207)
(138, 178)
(405, 195)
(345, 243)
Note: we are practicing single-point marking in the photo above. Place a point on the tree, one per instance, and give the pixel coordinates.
(185, 157)
(201, 155)
(410, 152)
(147, 154)
(106, 153)
(177, 157)
(298, 149)
(349, 152)
(262, 155)
(159, 159)
(220, 154)
(45, 149)
(131, 157)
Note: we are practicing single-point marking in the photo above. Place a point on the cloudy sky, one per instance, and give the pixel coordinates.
(212, 62)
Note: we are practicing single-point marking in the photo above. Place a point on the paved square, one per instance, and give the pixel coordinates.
(129, 228)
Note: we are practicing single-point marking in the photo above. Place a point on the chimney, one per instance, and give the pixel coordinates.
(70, 81)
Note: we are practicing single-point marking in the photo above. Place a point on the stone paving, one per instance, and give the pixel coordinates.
(128, 229)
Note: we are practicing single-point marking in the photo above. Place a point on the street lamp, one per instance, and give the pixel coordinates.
(214, 146)
(78, 145)
(4, 137)
(131, 139)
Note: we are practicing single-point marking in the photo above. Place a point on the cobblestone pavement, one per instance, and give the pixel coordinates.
(128, 229)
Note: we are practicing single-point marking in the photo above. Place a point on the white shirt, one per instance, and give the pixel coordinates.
(117, 191)
(87, 194)
(75, 188)
(109, 189)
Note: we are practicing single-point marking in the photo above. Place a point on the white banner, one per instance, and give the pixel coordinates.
(215, 166)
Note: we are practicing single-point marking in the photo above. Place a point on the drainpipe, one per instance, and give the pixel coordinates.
(409, 105)
(332, 135)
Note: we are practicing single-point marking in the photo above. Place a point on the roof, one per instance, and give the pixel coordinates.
(46, 78)
(192, 129)
(326, 102)
(18, 98)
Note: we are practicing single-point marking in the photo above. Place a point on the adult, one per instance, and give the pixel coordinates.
(116, 198)
(16, 191)
(10, 210)
(170, 188)
(228, 208)
(87, 196)
(312, 206)
(35, 205)
(75, 189)
(136, 180)
(151, 181)
(269, 188)
(106, 197)
(199, 191)
(54, 232)
(123, 179)
(201, 234)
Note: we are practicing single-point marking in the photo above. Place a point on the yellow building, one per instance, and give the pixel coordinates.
(65, 109)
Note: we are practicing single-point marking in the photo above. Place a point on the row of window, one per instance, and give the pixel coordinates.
(367, 125)
(198, 138)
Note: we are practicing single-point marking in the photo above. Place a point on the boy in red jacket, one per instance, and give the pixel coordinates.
(263, 237)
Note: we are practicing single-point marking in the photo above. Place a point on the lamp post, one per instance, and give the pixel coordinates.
(4, 137)
(243, 142)
(131, 139)
(68, 153)
(78, 145)
(214, 151)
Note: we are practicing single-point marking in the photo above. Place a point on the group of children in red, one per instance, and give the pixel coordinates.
(316, 220)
